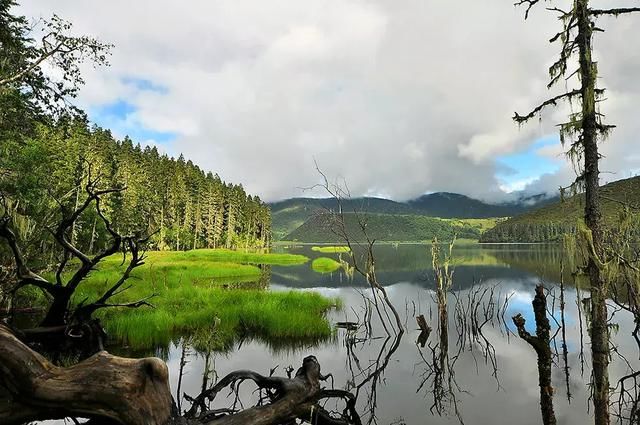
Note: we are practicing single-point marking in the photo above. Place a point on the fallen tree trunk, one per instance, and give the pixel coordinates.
(127, 391)
(112, 389)
(289, 399)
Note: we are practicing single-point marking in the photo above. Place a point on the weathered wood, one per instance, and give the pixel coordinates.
(110, 389)
(425, 330)
(291, 399)
(540, 344)
(128, 391)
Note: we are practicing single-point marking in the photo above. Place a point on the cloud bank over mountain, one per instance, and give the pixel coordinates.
(396, 98)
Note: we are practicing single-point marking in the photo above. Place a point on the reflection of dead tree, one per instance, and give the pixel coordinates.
(473, 311)
(361, 260)
(540, 344)
(440, 373)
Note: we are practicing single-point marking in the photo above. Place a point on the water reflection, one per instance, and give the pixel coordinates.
(471, 369)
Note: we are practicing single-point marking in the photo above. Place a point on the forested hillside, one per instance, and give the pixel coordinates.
(174, 200)
(292, 213)
(550, 222)
(387, 227)
(455, 205)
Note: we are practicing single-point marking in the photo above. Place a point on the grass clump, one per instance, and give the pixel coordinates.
(325, 265)
(230, 256)
(331, 249)
(228, 314)
(192, 297)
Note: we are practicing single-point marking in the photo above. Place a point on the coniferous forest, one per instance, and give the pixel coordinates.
(173, 200)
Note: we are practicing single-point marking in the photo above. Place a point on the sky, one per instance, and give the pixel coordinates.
(396, 98)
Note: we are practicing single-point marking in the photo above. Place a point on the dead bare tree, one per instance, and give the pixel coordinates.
(361, 260)
(540, 344)
(583, 131)
(361, 257)
(62, 317)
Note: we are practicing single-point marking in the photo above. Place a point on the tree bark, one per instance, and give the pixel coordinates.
(540, 344)
(110, 389)
(592, 216)
(127, 391)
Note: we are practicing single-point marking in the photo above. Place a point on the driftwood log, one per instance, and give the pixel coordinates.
(127, 391)
(118, 390)
(425, 330)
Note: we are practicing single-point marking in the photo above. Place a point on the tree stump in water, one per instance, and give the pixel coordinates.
(540, 344)
(425, 330)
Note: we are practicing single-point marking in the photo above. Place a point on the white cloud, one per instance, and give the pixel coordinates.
(398, 98)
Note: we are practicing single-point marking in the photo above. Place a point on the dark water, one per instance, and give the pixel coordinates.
(486, 379)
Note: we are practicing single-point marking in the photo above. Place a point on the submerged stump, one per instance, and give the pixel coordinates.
(540, 344)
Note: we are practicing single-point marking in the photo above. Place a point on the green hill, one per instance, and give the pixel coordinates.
(551, 221)
(289, 214)
(389, 227)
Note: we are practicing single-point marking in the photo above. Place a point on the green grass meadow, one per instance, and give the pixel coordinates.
(331, 249)
(193, 297)
(325, 265)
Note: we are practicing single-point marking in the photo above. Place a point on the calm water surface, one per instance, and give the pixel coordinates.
(489, 380)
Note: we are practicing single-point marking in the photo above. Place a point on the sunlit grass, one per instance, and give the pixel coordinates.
(325, 265)
(331, 249)
(191, 297)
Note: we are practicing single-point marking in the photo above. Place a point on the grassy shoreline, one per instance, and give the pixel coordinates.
(192, 297)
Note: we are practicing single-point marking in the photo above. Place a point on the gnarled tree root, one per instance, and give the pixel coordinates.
(110, 389)
(289, 399)
(128, 391)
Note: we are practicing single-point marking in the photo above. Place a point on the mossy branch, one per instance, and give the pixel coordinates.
(614, 12)
(551, 102)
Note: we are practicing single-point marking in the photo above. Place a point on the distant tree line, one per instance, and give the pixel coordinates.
(174, 200)
(528, 232)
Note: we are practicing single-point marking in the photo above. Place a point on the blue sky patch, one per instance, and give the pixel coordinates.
(145, 85)
(115, 116)
(517, 169)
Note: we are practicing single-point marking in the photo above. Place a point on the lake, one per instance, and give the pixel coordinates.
(487, 376)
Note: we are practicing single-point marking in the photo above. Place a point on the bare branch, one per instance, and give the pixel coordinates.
(553, 101)
(614, 12)
(24, 274)
(529, 3)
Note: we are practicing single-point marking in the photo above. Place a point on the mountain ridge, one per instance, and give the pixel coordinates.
(289, 214)
(549, 222)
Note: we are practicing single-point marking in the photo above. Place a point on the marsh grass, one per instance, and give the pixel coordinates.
(325, 265)
(331, 249)
(193, 298)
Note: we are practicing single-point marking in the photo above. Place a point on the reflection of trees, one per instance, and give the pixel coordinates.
(473, 309)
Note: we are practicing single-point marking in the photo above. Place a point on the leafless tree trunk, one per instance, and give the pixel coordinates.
(583, 131)
(540, 344)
